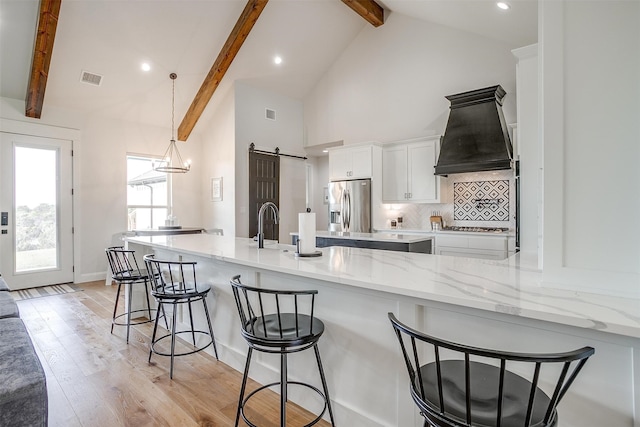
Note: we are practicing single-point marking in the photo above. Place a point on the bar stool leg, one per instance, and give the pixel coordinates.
(155, 329)
(324, 383)
(213, 338)
(146, 294)
(129, 287)
(193, 332)
(283, 390)
(115, 307)
(173, 338)
(244, 385)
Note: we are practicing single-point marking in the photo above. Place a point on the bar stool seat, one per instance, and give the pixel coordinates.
(282, 333)
(125, 271)
(174, 283)
(473, 388)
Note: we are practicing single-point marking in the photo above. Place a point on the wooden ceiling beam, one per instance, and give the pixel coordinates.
(371, 11)
(234, 42)
(42, 52)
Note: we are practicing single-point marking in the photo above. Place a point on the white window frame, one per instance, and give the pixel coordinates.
(151, 207)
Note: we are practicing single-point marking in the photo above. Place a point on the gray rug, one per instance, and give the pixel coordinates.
(45, 291)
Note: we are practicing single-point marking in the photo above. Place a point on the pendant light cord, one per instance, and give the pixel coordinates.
(173, 77)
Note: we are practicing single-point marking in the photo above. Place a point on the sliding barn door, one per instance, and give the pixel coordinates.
(264, 186)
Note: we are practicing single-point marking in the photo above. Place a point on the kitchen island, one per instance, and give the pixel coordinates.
(386, 241)
(499, 304)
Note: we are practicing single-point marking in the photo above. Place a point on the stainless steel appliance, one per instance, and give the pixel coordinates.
(350, 206)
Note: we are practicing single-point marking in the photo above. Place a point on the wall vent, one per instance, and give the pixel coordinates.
(91, 78)
(270, 114)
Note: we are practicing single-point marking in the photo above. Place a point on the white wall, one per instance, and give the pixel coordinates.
(218, 154)
(390, 83)
(320, 181)
(286, 133)
(99, 178)
(589, 64)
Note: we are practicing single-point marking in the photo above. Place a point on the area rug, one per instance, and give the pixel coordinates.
(45, 291)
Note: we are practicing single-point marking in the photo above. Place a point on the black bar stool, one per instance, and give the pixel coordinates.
(125, 271)
(174, 283)
(269, 329)
(459, 391)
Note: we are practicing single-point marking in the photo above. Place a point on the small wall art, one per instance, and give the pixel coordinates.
(216, 189)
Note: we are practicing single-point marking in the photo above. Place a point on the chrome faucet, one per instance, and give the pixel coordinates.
(263, 208)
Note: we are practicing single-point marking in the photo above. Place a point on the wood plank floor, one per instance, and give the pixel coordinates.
(95, 378)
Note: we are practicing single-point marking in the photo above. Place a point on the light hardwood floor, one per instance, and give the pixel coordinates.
(95, 378)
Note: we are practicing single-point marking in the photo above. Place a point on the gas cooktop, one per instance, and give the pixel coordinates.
(477, 229)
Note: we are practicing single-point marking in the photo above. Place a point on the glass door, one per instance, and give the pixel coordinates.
(36, 222)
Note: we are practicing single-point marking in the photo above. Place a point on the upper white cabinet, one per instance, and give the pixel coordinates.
(407, 172)
(351, 163)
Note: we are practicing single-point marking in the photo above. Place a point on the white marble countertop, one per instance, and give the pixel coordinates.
(410, 231)
(377, 237)
(506, 286)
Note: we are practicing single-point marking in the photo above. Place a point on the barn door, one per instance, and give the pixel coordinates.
(264, 186)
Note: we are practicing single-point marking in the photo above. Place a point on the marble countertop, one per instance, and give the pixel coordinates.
(377, 237)
(410, 231)
(509, 286)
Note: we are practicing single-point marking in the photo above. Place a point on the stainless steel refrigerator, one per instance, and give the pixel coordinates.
(350, 206)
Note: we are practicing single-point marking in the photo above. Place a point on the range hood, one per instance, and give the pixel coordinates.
(476, 137)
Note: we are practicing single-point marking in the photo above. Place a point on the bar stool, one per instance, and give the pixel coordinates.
(279, 332)
(125, 271)
(459, 391)
(174, 283)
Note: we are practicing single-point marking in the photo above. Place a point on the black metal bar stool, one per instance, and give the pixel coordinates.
(454, 390)
(125, 271)
(269, 329)
(174, 283)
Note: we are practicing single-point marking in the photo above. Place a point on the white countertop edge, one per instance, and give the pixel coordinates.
(409, 231)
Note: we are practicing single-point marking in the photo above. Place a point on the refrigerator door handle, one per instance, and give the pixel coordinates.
(343, 217)
(348, 211)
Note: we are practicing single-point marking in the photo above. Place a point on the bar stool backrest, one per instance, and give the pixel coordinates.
(171, 279)
(276, 317)
(419, 350)
(123, 263)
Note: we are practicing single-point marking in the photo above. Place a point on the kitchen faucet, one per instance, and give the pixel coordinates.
(263, 208)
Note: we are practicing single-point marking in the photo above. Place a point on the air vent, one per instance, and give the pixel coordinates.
(91, 78)
(270, 114)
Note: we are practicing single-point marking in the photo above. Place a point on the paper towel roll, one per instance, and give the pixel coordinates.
(307, 232)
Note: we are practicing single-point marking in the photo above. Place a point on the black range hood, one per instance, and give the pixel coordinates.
(476, 137)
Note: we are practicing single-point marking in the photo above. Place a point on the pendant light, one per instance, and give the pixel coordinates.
(171, 160)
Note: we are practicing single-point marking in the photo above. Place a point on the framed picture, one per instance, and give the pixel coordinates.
(216, 189)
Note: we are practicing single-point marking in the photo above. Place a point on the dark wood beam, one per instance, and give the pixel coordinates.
(234, 42)
(42, 51)
(371, 11)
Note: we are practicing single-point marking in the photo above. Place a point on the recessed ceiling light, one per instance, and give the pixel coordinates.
(325, 151)
(277, 60)
(145, 66)
(504, 6)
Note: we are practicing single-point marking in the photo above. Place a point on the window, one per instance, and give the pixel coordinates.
(146, 193)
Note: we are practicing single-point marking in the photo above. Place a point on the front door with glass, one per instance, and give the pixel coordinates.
(36, 240)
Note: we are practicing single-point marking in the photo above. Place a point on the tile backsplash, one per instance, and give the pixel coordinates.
(482, 199)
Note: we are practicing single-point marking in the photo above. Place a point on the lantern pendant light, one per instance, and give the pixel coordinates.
(171, 160)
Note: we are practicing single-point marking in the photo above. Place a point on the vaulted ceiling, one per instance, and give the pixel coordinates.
(112, 38)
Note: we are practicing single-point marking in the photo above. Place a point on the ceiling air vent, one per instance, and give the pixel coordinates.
(270, 114)
(91, 78)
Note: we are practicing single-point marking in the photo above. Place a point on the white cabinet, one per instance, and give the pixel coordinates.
(407, 172)
(350, 163)
(485, 247)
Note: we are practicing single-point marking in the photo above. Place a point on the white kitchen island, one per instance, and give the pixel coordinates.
(499, 304)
